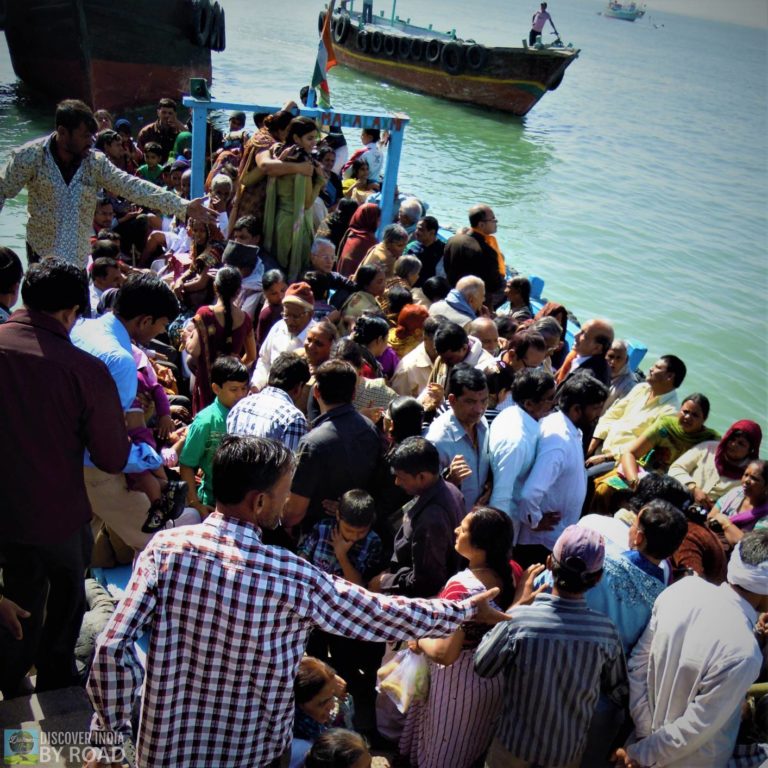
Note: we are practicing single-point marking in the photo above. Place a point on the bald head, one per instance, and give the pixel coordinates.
(485, 330)
(594, 338)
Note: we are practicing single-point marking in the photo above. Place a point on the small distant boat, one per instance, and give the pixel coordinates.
(625, 12)
(439, 64)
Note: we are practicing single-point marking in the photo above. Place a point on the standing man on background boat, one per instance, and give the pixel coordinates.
(64, 177)
(539, 19)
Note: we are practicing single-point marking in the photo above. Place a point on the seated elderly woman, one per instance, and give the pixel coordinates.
(560, 313)
(744, 508)
(407, 270)
(623, 379)
(411, 210)
(668, 438)
(389, 250)
(711, 469)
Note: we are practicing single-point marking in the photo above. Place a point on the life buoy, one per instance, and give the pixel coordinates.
(475, 56)
(202, 22)
(218, 39)
(417, 49)
(434, 51)
(390, 45)
(341, 29)
(452, 58)
(362, 41)
(377, 40)
(555, 83)
(404, 45)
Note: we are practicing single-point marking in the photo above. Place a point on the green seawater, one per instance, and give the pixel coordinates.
(638, 190)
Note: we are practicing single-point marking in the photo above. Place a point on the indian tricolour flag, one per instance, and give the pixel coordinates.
(325, 60)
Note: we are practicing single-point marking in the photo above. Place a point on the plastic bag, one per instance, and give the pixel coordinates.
(404, 679)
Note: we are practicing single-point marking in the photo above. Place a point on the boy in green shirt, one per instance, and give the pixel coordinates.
(229, 382)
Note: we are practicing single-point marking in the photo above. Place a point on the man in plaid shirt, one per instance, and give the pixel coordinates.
(228, 620)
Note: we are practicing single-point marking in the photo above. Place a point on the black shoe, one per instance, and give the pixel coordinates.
(169, 507)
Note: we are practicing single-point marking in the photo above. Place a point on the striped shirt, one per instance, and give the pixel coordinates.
(228, 619)
(557, 656)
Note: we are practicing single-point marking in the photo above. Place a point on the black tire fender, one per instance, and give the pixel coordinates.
(320, 21)
(341, 29)
(377, 40)
(452, 58)
(434, 51)
(404, 46)
(202, 22)
(363, 41)
(390, 45)
(476, 55)
(417, 49)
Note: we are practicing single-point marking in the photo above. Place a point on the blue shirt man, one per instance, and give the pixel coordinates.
(461, 434)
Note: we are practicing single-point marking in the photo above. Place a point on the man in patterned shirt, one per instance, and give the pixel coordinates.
(64, 176)
(228, 620)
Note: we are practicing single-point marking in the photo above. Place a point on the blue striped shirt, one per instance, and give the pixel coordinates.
(557, 656)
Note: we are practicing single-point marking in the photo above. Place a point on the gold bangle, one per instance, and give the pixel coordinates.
(726, 525)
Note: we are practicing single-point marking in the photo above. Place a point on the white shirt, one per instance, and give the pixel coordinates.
(513, 440)
(689, 673)
(557, 481)
(279, 340)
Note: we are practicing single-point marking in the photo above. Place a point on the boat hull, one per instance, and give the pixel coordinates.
(509, 79)
(104, 54)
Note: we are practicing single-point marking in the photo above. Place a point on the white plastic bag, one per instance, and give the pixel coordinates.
(404, 679)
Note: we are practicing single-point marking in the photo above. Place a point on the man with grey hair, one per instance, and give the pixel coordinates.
(623, 379)
(552, 333)
(463, 303)
(322, 257)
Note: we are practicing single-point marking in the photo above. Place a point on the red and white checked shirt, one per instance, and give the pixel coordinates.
(228, 619)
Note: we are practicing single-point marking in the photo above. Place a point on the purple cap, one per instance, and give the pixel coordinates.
(580, 549)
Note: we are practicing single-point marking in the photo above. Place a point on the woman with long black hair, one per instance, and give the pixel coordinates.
(456, 723)
(219, 329)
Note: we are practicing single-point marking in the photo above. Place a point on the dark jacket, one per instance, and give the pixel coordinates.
(340, 453)
(424, 557)
(470, 255)
(55, 401)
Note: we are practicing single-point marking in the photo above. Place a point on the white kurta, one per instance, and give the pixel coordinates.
(689, 674)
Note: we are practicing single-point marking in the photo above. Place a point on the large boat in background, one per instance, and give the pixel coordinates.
(625, 12)
(112, 55)
(443, 65)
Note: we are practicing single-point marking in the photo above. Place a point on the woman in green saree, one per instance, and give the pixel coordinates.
(668, 438)
(288, 225)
